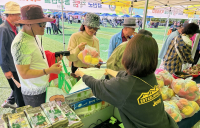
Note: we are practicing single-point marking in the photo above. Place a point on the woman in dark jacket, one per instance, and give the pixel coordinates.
(134, 91)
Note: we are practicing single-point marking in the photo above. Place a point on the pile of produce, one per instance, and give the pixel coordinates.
(181, 97)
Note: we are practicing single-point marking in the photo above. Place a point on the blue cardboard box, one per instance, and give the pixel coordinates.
(84, 103)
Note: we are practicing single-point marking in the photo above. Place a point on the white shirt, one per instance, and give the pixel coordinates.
(25, 51)
(48, 24)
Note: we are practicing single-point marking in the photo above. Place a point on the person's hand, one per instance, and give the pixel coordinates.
(199, 52)
(79, 73)
(106, 71)
(59, 58)
(81, 46)
(55, 68)
(8, 75)
(99, 65)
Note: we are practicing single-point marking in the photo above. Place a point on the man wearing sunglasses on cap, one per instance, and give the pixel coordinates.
(124, 35)
(29, 56)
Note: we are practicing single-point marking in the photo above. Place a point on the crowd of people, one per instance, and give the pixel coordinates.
(132, 61)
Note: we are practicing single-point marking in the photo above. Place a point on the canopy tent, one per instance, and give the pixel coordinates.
(192, 10)
(84, 13)
(125, 15)
(137, 16)
(76, 13)
(114, 15)
(69, 13)
(98, 14)
(149, 17)
(48, 12)
(105, 14)
(55, 13)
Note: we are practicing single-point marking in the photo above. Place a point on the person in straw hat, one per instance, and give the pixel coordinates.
(8, 32)
(125, 34)
(29, 57)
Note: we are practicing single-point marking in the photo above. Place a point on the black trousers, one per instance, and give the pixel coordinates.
(11, 98)
(16, 91)
(58, 29)
(196, 58)
(49, 29)
(53, 28)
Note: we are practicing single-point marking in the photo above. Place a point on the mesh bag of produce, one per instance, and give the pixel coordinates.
(166, 93)
(186, 89)
(167, 77)
(187, 108)
(172, 109)
(89, 56)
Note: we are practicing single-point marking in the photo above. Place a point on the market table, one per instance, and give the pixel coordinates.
(190, 122)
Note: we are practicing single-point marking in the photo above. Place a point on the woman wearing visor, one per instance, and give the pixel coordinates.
(86, 36)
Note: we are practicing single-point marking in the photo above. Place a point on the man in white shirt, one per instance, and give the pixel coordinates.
(29, 57)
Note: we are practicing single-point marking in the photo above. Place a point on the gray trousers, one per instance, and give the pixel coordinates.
(34, 100)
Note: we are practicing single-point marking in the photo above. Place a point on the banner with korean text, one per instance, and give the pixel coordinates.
(68, 5)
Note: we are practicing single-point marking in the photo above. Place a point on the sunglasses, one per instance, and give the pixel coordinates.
(93, 28)
(42, 24)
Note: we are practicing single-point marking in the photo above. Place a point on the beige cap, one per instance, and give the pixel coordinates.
(12, 8)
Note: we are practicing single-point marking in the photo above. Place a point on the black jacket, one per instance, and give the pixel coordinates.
(6, 38)
(139, 104)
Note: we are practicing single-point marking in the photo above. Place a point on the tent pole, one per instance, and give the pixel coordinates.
(145, 14)
(167, 25)
(63, 24)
